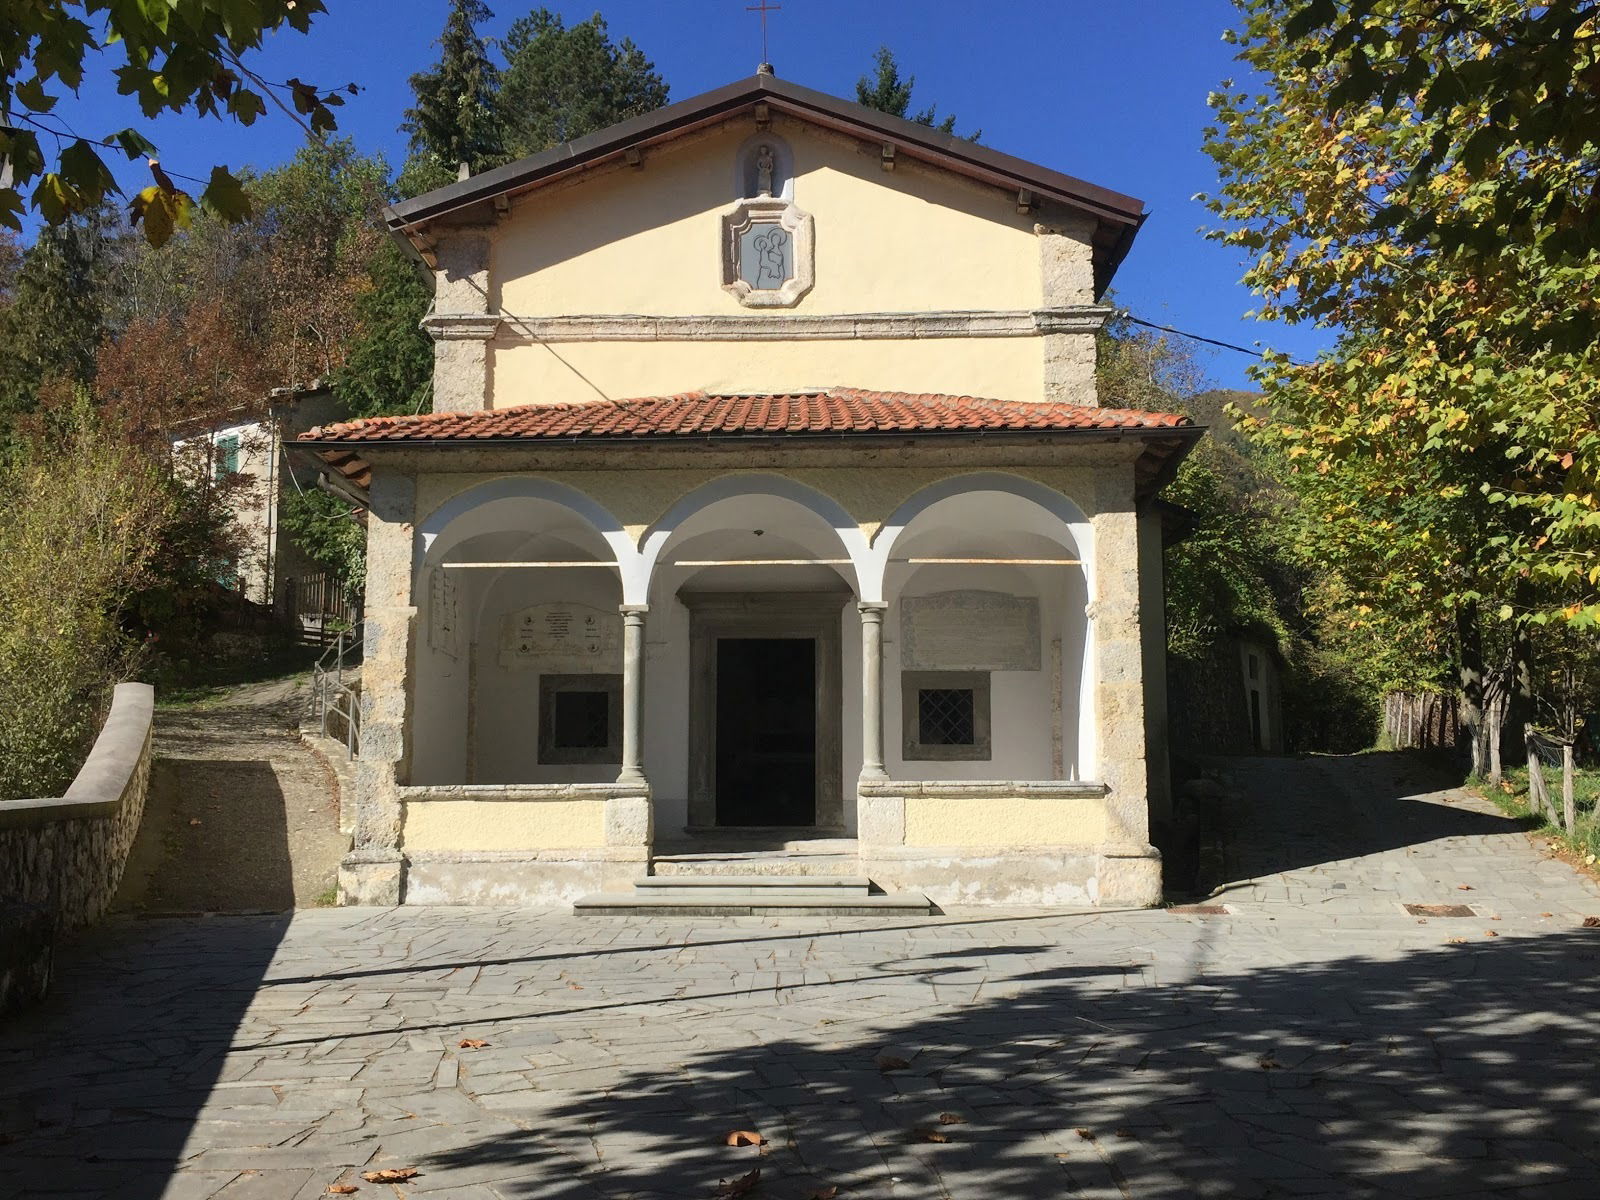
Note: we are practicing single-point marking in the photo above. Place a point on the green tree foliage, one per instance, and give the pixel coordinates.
(562, 81)
(886, 90)
(175, 57)
(81, 514)
(58, 310)
(1446, 450)
(389, 367)
(1526, 78)
(456, 118)
(330, 533)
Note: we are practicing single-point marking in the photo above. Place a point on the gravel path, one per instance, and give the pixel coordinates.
(241, 816)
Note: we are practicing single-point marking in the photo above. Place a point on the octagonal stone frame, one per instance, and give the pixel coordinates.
(797, 223)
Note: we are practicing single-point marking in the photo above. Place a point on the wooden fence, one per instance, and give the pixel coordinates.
(1421, 720)
(1545, 754)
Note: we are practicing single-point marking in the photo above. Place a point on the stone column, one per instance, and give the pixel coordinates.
(373, 872)
(632, 692)
(629, 814)
(1068, 318)
(462, 321)
(1129, 868)
(872, 689)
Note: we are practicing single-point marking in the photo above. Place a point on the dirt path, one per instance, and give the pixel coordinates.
(241, 816)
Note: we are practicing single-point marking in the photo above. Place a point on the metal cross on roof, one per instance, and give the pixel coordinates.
(764, 8)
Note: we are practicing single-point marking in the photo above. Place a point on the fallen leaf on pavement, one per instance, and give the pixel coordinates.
(744, 1137)
(891, 1062)
(1125, 1133)
(1086, 1134)
(930, 1135)
(577, 987)
(473, 1043)
(1463, 887)
(827, 1193)
(1490, 933)
(1591, 922)
(1268, 1063)
(1547, 914)
(740, 1186)
(952, 1119)
(194, 820)
(1455, 941)
(390, 1175)
(342, 1189)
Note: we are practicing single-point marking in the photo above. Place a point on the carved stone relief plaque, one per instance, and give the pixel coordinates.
(570, 638)
(969, 631)
(767, 252)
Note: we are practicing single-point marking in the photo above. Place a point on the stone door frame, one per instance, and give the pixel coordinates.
(814, 615)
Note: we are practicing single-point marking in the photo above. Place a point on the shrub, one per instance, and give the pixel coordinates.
(81, 514)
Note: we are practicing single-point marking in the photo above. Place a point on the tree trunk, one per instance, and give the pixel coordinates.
(1469, 673)
(1519, 687)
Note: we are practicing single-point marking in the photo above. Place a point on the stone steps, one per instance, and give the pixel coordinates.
(753, 895)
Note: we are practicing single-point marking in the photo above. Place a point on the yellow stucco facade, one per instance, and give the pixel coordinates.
(647, 239)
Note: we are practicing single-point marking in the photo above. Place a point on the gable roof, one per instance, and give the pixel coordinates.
(1117, 217)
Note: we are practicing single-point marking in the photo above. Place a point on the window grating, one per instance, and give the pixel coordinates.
(945, 717)
(582, 721)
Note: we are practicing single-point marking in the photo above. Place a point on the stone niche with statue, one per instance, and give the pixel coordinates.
(768, 242)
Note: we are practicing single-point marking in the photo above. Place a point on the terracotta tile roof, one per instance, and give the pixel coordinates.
(699, 414)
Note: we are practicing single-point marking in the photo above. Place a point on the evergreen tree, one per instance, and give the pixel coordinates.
(456, 118)
(56, 319)
(887, 91)
(561, 83)
(389, 368)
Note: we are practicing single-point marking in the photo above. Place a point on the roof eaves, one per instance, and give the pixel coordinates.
(713, 105)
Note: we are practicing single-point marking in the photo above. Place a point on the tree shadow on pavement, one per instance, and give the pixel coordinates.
(1297, 813)
(1461, 1070)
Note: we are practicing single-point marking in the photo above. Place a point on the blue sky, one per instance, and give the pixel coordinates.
(1114, 93)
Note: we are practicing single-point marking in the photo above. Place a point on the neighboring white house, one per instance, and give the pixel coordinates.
(271, 570)
(768, 502)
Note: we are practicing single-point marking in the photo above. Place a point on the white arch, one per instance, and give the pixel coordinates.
(494, 491)
(754, 484)
(1075, 534)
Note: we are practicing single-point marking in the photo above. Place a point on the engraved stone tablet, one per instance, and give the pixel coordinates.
(444, 613)
(570, 638)
(969, 631)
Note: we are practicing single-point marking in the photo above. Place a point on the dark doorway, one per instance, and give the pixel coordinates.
(766, 731)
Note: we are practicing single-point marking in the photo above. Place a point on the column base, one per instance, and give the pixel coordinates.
(1129, 878)
(371, 880)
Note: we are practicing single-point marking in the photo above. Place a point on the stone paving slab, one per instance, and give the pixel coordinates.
(1314, 1041)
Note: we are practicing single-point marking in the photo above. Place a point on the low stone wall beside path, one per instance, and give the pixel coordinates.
(61, 860)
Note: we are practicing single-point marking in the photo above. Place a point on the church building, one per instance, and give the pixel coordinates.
(768, 545)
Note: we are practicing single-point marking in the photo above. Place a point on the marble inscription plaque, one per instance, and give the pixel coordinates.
(444, 613)
(572, 638)
(969, 631)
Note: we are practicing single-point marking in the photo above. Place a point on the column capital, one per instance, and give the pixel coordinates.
(633, 610)
(872, 608)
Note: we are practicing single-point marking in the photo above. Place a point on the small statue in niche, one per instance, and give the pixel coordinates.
(764, 171)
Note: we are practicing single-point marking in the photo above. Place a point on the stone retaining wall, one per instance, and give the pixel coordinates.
(62, 859)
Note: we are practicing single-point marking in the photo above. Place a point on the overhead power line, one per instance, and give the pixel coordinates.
(1210, 341)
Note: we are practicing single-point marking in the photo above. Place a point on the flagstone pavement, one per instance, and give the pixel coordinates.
(1314, 1039)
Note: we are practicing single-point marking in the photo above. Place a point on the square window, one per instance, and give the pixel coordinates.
(580, 719)
(945, 715)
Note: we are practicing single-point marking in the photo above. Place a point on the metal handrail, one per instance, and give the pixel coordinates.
(331, 694)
